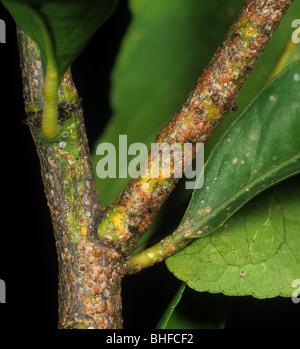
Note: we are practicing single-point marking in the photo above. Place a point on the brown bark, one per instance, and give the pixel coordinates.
(212, 97)
(89, 272)
(92, 249)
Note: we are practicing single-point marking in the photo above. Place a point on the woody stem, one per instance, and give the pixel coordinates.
(212, 97)
(90, 273)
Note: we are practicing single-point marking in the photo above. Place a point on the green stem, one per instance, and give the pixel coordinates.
(157, 253)
(50, 127)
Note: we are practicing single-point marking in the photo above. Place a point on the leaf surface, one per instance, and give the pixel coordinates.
(191, 310)
(66, 25)
(165, 320)
(255, 253)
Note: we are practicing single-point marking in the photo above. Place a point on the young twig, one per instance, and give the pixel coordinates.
(212, 97)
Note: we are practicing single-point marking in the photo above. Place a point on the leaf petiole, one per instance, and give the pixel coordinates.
(50, 127)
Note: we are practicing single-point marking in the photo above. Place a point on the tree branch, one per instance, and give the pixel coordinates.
(212, 97)
(90, 273)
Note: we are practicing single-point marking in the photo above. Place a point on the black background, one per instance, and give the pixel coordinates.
(28, 262)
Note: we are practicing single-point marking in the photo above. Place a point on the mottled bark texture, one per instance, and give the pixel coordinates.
(212, 97)
(89, 272)
(92, 261)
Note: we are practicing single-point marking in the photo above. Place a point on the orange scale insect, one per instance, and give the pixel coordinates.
(174, 127)
(207, 75)
(224, 79)
(195, 103)
(193, 134)
(261, 20)
(199, 129)
(252, 8)
(179, 117)
(185, 133)
(190, 126)
(253, 46)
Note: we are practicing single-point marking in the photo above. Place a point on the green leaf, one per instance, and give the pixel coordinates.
(60, 28)
(255, 253)
(164, 51)
(260, 148)
(164, 321)
(191, 310)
